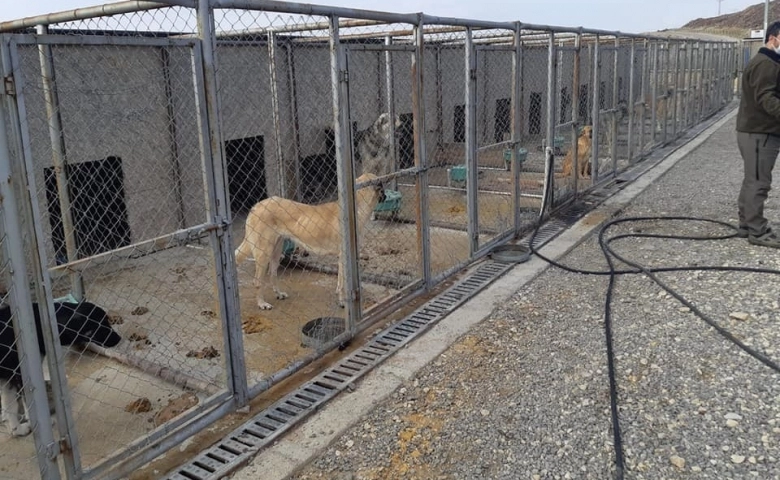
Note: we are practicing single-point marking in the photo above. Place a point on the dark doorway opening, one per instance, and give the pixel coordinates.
(245, 159)
(97, 197)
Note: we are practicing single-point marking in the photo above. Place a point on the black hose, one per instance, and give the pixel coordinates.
(610, 255)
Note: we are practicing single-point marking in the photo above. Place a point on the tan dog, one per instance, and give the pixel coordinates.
(312, 227)
(584, 144)
(661, 102)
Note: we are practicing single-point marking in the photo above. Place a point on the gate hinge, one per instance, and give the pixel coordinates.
(9, 85)
(344, 76)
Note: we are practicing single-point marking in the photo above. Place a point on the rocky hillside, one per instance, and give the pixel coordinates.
(737, 24)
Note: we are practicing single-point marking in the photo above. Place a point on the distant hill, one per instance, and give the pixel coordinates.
(737, 24)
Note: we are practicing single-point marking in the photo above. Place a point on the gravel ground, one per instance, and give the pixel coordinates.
(525, 395)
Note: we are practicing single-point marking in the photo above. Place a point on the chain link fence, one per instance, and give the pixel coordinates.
(235, 192)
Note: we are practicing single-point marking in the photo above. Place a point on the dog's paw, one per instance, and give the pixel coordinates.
(21, 430)
(281, 295)
(264, 305)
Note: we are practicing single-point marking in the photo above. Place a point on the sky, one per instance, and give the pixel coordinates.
(631, 16)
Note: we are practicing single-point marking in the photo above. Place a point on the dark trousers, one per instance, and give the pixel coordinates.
(759, 153)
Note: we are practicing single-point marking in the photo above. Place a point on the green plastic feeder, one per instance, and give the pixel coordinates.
(289, 247)
(392, 202)
(458, 173)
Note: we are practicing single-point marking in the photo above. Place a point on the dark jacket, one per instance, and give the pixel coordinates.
(759, 107)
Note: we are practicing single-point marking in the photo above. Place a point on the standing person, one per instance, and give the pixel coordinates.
(758, 138)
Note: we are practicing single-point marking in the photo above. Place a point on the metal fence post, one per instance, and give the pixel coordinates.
(549, 142)
(390, 98)
(631, 104)
(170, 109)
(689, 49)
(700, 97)
(420, 151)
(596, 111)
(643, 92)
(59, 161)
(665, 92)
(292, 99)
(575, 106)
(615, 99)
(284, 184)
(216, 181)
(472, 175)
(23, 319)
(654, 96)
(346, 177)
(675, 116)
(30, 211)
(517, 122)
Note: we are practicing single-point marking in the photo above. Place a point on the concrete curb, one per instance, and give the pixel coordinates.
(308, 440)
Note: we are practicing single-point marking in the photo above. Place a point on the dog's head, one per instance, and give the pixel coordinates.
(587, 131)
(85, 323)
(382, 125)
(378, 189)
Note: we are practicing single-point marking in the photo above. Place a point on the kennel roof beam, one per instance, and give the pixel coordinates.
(309, 9)
(106, 10)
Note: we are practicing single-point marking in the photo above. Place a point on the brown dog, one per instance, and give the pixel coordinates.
(312, 227)
(584, 143)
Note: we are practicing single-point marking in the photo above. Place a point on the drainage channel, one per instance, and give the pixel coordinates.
(245, 441)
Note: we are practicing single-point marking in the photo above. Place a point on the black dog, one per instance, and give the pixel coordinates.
(77, 323)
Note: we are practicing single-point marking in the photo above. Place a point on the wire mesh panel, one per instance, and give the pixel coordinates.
(494, 133)
(276, 99)
(381, 108)
(635, 100)
(111, 129)
(447, 164)
(573, 132)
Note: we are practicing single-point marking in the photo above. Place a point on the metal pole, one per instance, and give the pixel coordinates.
(216, 181)
(654, 97)
(643, 92)
(276, 116)
(690, 48)
(631, 101)
(472, 175)
(59, 159)
(346, 176)
(677, 88)
(701, 100)
(517, 123)
(390, 98)
(615, 99)
(575, 108)
(548, 196)
(23, 318)
(594, 151)
(666, 95)
(292, 97)
(170, 108)
(421, 154)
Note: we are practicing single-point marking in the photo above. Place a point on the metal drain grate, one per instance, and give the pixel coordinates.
(267, 426)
